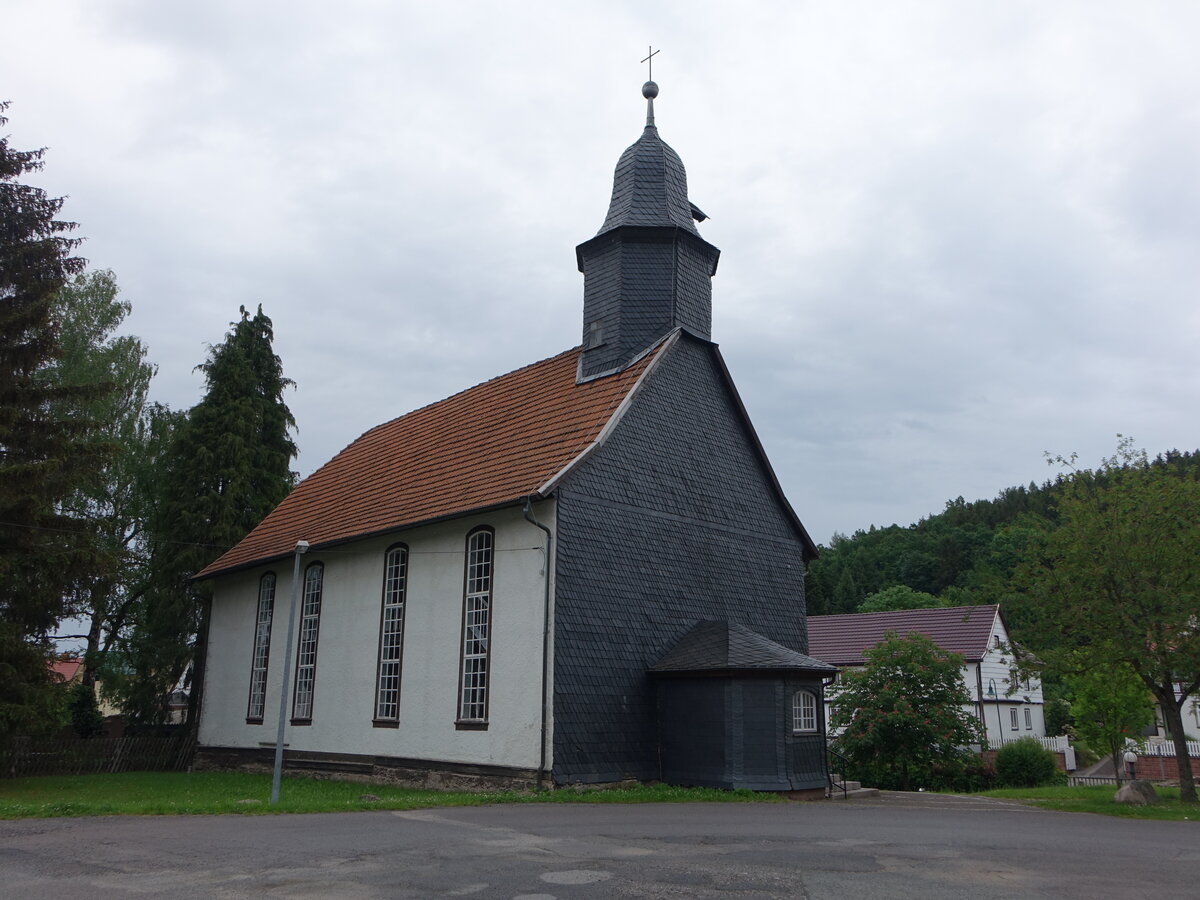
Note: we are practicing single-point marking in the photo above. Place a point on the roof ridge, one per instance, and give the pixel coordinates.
(894, 612)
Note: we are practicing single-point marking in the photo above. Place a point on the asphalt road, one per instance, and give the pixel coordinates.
(896, 847)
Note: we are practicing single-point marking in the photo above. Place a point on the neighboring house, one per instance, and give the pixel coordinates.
(556, 575)
(1190, 712)
(66, 670)
(69, 671)
(978, 633)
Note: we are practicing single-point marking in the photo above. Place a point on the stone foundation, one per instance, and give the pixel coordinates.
(415, 773)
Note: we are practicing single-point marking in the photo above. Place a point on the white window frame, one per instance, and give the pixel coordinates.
(391, 636)
(804, 712)
(1028, 719)
(260, 657)
(1012, 717)
(476, 647)
(306, 650)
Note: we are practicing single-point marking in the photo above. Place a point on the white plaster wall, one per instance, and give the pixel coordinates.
(996, 666)
(347, 649)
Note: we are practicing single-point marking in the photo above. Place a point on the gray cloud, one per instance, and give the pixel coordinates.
(953, 235)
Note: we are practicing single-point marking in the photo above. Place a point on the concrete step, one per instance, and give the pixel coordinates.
(856, 793)
(848, 785)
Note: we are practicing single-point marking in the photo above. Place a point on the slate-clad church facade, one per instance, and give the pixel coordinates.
(562, 529)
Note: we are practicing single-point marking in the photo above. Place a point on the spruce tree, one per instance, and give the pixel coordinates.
(48, 445)
(227, 467)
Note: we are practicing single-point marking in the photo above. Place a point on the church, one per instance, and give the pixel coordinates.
(582, 571)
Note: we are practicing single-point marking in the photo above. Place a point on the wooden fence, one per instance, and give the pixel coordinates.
(91, 756)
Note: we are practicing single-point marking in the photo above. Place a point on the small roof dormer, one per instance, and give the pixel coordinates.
(647, 271)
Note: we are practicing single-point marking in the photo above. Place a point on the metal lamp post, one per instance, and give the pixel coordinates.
(301, 547)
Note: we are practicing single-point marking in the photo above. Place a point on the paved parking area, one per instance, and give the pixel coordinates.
(901, 845)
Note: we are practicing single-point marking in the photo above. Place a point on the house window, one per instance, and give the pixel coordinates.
(262, 649)
(391, 636)
(804, 712)
(1028, 719)
(306, 653)
(1012, 715)
(997, 644)
(476, 629)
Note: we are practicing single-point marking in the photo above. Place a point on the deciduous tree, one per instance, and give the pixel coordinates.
(1111, 705)
(898, 596)
(121, 499)
(904, 718)
(1118, 580)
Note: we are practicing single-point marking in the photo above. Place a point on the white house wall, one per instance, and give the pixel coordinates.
(347, 649)
(995, 670)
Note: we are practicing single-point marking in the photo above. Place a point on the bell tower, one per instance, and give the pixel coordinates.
(647, 271)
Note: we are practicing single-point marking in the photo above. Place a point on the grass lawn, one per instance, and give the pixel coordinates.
(197, 793)
(1099, 799)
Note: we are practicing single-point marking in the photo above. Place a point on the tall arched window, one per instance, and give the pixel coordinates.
(306, 653)
(391, 636)
(476, 629)
(804, 712)
(262, 649)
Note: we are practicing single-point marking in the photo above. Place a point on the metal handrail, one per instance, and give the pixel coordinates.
(829, 751)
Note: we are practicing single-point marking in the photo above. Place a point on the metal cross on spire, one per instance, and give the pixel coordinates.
(650, 60)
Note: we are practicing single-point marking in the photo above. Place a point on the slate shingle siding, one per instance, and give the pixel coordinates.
(639, 284)
(672, 520)
(649, 186)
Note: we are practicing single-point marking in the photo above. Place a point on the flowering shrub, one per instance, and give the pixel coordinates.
(904, 717)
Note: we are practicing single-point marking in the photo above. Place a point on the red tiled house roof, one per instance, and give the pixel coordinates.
(64, 671)
(488, 446)
(959, 629)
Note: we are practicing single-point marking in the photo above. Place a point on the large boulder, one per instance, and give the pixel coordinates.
(1138, 792)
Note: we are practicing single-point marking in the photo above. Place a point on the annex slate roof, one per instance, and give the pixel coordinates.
(959, 629)
(649, 187)
(727, 646)
(488, 446)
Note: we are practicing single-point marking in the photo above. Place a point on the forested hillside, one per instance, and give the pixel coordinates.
(963, 555)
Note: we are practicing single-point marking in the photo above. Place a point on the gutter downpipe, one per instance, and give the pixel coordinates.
(529, 517)
(982, 710)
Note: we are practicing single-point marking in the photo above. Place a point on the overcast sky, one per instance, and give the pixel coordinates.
(954, 235)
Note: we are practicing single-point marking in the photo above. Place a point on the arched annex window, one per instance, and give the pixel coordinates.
(476, 629)
(306, 652)
(804, 712)
(261, 655)
(391, 636)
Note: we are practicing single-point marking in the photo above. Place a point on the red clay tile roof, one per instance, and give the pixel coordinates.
(486, 446)
(841, 639)
(65, 670)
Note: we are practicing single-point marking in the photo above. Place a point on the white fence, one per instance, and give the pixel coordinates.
(1059, 744)
(1166, 749)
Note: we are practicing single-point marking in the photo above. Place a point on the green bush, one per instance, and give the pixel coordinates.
(86, 718)
(975, 775)
(1025, 763)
